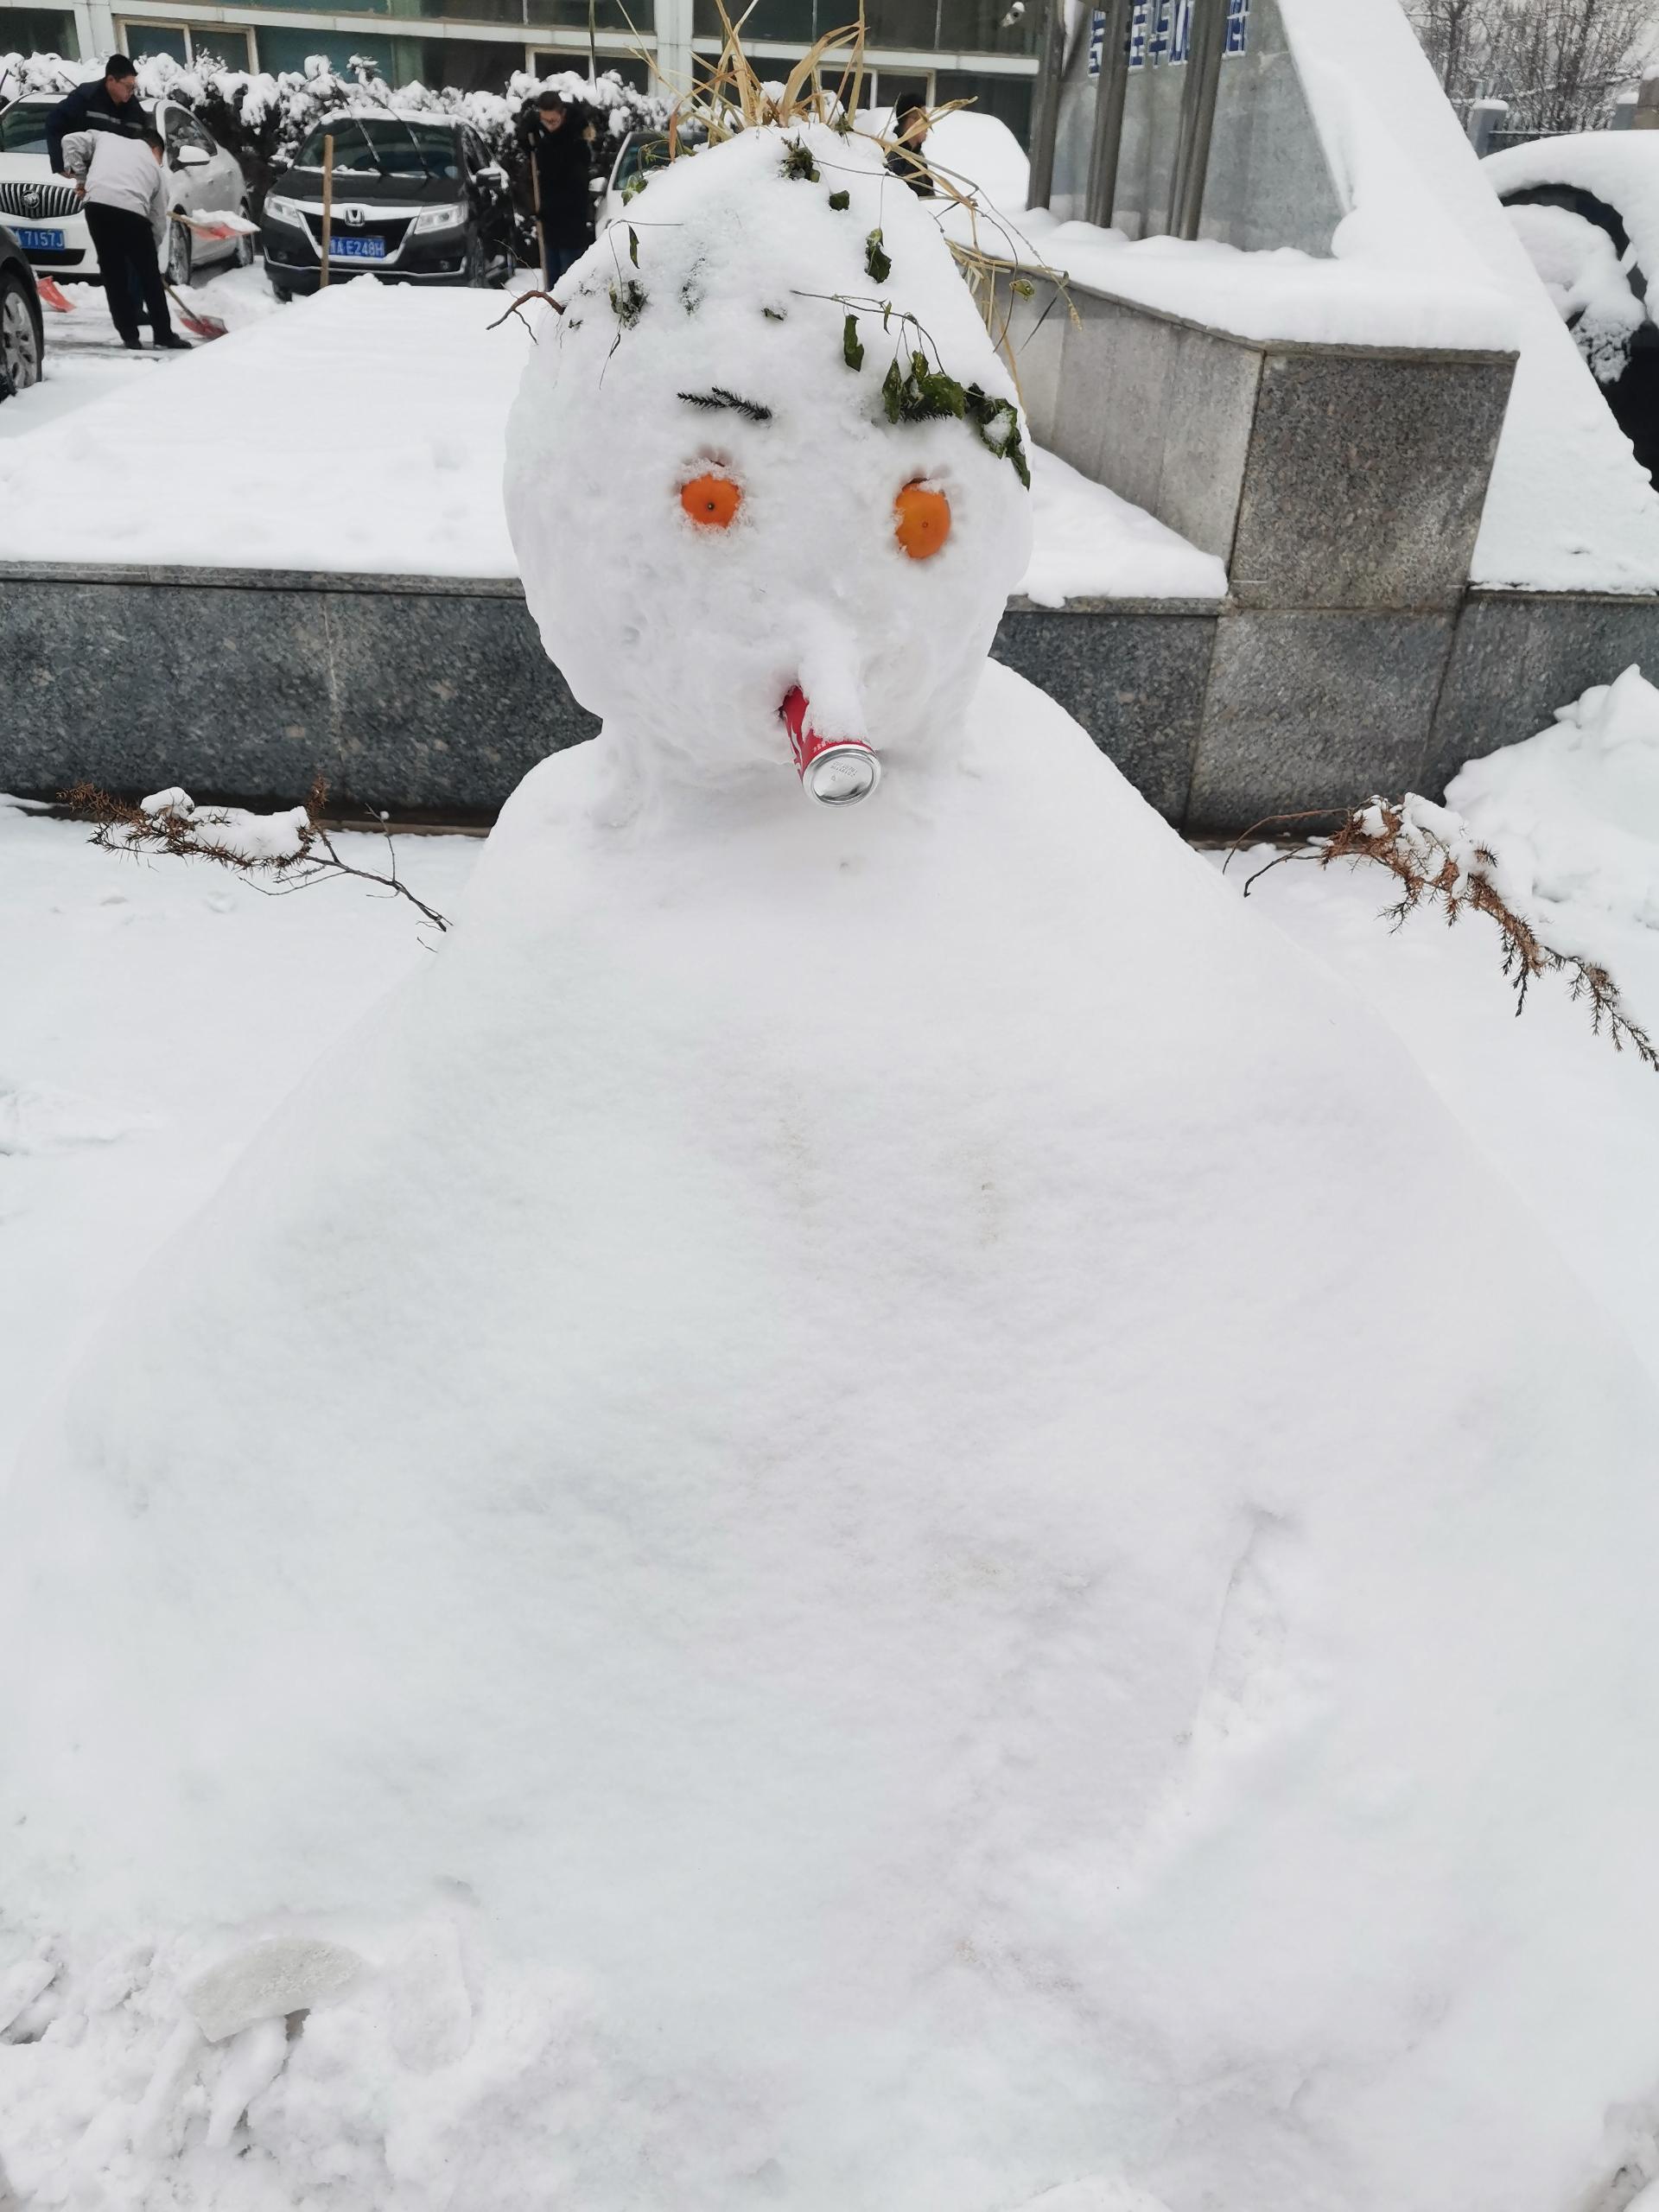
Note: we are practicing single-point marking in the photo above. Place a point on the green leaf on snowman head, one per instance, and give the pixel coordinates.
(851, 351)
(799, 161)
(840, 202)
(997, 421)
(876, 259)
(920, 394)
(627, 301)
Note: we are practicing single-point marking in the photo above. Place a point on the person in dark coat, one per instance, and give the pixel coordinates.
(905, 161)
(558, 152)
(110, 104)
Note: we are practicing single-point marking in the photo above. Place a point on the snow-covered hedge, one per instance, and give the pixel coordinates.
(262, 118)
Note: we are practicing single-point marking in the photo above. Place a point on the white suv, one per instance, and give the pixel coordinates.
(43, 211)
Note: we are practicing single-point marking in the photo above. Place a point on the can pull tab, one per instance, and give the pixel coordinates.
(835, 770)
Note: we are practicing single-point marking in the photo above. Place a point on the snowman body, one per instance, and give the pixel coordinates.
(846, 1432)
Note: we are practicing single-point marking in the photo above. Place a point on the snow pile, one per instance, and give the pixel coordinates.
(977, 154)
(1588, 281)
(229, 833)
(1620, 169)
(1089, 544)
(1362, 300)
(362, 380)
(1574, 812)
(802, 1533)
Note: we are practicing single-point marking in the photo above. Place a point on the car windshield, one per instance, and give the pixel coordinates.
(22, 128)
(383, 145)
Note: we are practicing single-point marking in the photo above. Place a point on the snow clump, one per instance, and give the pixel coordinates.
(1574, 812)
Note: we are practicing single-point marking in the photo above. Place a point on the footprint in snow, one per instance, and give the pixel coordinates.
(34, 1117)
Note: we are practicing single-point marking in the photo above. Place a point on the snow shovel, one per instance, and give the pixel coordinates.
(201, 325)
(53, 293)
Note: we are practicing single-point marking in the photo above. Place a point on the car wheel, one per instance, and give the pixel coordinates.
(474, 271)
(245, 241)
(21, 342)
(180, 254)
(280, 293)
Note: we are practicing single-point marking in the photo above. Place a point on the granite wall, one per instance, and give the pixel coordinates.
(430, 697)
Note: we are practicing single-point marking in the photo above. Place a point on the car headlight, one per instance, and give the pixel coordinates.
(285, 211)
(440, 218)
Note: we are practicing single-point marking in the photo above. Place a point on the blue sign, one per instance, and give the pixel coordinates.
(1162, 31)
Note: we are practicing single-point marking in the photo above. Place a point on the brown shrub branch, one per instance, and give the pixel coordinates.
(172, 822)
(1436, 861)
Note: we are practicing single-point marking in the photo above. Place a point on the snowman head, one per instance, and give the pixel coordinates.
(766, 474)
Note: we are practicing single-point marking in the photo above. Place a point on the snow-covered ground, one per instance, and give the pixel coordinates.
(364, 430)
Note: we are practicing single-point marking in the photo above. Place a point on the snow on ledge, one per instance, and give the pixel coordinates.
(1283, 295)
(363, 431)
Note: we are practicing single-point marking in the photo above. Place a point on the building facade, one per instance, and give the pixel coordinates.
(939, 49)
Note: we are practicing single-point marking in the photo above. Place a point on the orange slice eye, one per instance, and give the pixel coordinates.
(921, 521)
(712, 502)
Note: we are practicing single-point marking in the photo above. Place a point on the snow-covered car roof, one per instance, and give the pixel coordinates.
(373, 113)
(1619, 167)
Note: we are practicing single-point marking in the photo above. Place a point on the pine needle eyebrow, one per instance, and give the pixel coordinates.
(717, 396)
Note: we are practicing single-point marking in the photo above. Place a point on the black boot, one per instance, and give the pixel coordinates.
(168, 342)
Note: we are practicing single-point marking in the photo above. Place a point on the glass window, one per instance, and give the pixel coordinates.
(22, 128)
(183, 130)
(628, 66)
(1009, 98)
(141, 40)
(795, 20)
(990, 25)
(901, 22)
(608, 14)
(38, 30)
(467, 65)
(221, 42)
(384, 145)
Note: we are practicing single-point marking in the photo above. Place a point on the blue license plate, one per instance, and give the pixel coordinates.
(357, 249)
(40, 241)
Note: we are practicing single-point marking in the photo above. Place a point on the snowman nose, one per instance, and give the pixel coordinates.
(835, 770)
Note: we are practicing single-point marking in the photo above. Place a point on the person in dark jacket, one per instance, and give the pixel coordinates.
(558, 153)
(905, 160)
(108, 105)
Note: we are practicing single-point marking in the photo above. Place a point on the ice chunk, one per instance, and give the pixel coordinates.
(21, 1985)
(284, 1974)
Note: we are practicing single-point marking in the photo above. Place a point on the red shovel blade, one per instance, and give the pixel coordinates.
(52, 292)
(199, 325)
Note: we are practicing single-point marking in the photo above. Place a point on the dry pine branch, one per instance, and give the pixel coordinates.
(1430, 851)
(275, 853)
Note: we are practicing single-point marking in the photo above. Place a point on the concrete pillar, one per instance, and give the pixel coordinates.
(1045, 111)
(1486, 116)
(673, 20)
(1647, 104)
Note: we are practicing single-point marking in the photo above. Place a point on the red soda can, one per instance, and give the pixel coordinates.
(835, 770)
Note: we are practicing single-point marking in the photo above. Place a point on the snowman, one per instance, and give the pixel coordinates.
(869, 1510)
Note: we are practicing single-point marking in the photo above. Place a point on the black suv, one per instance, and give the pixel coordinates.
(416, 199)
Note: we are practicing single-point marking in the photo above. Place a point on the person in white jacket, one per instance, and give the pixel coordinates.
(124, 194)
